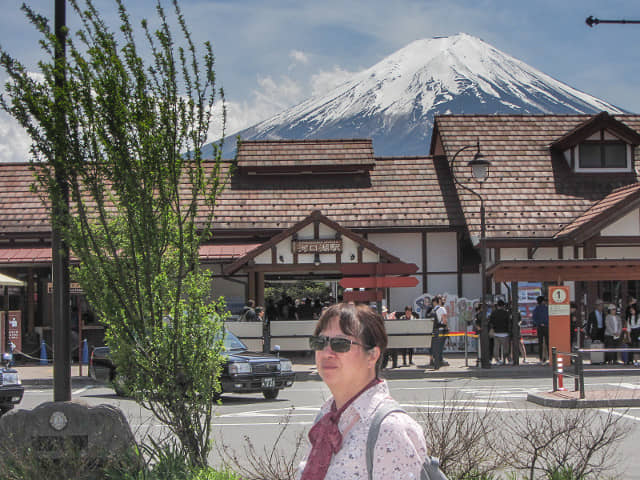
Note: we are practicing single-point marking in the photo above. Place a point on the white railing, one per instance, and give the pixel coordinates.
(293, 335)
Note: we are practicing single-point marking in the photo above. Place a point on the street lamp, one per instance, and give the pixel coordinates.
(480, 171)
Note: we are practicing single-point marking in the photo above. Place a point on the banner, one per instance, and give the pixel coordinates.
(459, 318)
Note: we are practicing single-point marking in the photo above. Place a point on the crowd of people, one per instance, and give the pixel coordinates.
(614, 328)
(286, 308)
(605, 323)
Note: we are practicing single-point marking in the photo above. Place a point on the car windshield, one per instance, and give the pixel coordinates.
(231, 342)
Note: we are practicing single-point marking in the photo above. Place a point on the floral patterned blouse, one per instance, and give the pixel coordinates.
(399, 452)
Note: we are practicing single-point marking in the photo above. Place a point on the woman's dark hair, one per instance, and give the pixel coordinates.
(359, 321)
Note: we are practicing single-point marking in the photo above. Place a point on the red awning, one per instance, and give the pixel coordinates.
(25, 255)
(42, 255)
(226, 252)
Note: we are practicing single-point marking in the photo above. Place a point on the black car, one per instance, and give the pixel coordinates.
(244, 371)
(11, 390)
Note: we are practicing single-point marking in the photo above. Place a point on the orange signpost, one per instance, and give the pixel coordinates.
(559, 321)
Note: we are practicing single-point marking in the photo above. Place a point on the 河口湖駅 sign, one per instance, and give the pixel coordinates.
(317, 246)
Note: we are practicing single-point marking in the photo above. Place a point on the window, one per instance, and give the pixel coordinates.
(603, 155)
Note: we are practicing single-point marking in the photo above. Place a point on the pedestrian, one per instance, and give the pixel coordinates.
(349, 341)
(500, 323)
(477, 324)
(612, 333)
(248, 312)
(595, 322)
(540, 316)
(407, 352)
(440, 329)
(633, 326)
(390, 353)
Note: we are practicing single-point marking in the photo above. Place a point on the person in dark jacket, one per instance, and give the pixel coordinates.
(540, 319)
(248, 312)
(500, 322)
(595, 322)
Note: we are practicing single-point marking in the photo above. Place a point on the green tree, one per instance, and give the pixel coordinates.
(140, 206)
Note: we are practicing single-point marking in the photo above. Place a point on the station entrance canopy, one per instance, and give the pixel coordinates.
(585, 270)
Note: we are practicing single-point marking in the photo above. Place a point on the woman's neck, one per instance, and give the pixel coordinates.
(343, 395)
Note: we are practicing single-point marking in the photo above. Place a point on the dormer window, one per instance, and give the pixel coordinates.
(601, 144)
(607, 155)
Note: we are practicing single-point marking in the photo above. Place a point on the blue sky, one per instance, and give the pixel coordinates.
(273, 54)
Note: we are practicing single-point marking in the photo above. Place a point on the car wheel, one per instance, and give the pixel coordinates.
(4, 409)
(270, 394)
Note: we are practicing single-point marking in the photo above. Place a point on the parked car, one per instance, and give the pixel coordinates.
(243, 372)
(11, 390)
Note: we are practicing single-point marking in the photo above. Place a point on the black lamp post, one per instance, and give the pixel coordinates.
(480, 171)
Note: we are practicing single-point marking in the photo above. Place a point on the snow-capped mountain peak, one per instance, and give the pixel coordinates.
(395, 100)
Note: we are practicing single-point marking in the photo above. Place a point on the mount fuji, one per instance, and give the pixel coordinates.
(394, 101)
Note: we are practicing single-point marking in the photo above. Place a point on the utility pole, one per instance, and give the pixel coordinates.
(60, 208)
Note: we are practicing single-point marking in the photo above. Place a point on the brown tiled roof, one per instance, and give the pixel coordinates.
(401, 192)
(312, 155)
(531, 192)
(610, 208)
(594, 124)
(21, 211)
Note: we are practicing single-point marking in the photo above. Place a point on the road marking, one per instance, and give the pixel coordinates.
(623, 415)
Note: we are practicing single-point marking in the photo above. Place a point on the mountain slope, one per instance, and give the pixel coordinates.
(394, 101)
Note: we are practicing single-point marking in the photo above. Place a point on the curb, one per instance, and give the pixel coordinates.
(467, 372)
(48, 382)
(546, 401)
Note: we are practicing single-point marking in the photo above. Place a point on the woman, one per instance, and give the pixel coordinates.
(349, 341)
(612, 333)
(633, 326)
(408, 315)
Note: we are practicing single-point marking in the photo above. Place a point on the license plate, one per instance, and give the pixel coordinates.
(268, 382)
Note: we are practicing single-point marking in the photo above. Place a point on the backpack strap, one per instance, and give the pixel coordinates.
(431, 466)
(381, 413)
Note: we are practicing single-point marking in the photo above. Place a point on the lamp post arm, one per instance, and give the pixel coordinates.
(485, 355)
(591, 21)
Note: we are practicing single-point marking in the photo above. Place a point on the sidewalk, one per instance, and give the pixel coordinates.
(304, 366)
(455, 366)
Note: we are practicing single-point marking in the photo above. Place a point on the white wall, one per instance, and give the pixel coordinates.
(442, 253)
(627, 225)
(400, 297)
(545, 254)
(512, 254)
(444, 283)
(405, 246)
(471, 285)
(618, 252)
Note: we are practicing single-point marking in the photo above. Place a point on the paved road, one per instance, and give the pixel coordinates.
(260, 420)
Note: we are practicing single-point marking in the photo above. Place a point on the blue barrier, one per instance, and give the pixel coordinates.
(85, 352)
(43, 354)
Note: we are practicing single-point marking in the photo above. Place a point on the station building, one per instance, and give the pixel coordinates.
(561, 202)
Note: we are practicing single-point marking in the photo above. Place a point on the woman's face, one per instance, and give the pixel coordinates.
(345, 373)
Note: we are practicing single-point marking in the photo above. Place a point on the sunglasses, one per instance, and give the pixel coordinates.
(338, 344)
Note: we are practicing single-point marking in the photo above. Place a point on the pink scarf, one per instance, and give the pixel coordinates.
(326, 439)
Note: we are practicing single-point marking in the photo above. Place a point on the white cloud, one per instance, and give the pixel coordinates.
(299, 56)
(275, 95)
(15, 143)
(272, 96)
